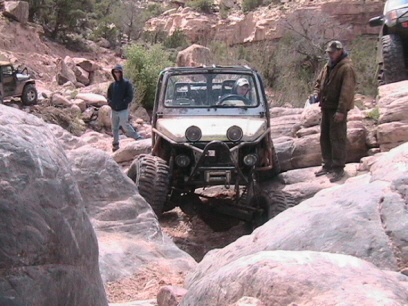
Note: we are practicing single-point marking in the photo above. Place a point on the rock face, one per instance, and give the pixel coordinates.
(393, 115)
(264, 24)
(365, 218)
(296, 134)
(48, 249)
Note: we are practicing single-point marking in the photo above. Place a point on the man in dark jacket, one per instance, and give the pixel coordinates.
(334, 89)
(120, 95)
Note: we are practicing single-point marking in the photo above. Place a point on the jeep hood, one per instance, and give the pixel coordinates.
(212, 127)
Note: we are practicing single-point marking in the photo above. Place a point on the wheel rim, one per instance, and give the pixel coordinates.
(31, 95)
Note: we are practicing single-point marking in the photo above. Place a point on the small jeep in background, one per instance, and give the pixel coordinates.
(392, 50)
(205, 133)
(16, 83)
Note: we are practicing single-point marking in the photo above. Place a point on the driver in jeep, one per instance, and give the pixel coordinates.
(241, 87)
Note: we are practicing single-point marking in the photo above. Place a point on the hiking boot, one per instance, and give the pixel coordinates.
(322, 171)
(337, 176)
(138, 137)
(115, 147)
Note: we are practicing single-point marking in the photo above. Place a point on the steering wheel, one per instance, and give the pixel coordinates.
(234, 97)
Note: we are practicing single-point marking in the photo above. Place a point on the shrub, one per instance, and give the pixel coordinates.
(374, 114)
(143, 67)
(363, 54)
(249, 5)
(203, 6)
(177, 40)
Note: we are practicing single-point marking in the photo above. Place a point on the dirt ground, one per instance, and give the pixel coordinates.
(191, 235)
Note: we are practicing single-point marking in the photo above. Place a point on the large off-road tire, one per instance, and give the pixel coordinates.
(272, 203)
(1, 98)
(151, 176)
(30, 95)
(393, 68)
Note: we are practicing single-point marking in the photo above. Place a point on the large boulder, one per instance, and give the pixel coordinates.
(194, 56)
(129, 235)
(366, 217)
(48, 248)
(299, 278)
(16, 10)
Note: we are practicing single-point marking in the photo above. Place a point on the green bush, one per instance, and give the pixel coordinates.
(249, 5)
(177, 40)
(374, 114)
(363, 54)
(143, 67)
(203, 6)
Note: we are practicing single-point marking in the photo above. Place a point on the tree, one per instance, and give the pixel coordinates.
(143, 67)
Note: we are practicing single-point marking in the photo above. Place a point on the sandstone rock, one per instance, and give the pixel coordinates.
(60, 100)
(129, 152)
(284, 125)
(16, 10)
(92, 99)
(82, 75)
(392, 134)
(88, 114)
(64, 72)
(128, 232)
(284, 147)
(193, 56)
(297, 278)
(390, 92)
(104, 116)
(86, 64)
(100, 76)
(307, 152)
(141, 113)
(397, 110)
(170, 296)
(80, 103)
(48, 248)
(357, 215)
(248, 301)
(311, 116)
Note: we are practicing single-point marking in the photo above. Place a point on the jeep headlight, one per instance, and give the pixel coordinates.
(250, 159)
(182, 160)
(193, 133)
(235, 133)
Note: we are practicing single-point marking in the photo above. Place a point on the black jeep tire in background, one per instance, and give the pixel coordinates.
(29, 95)
(393, 67)
(151, 176)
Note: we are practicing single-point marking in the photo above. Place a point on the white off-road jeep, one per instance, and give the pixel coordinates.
(206, 133)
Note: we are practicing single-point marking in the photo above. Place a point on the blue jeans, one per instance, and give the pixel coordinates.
(121, 119)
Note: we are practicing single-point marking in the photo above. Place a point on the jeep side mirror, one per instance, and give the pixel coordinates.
(376, 21)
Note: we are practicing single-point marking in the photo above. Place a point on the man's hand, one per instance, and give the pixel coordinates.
(339, 117)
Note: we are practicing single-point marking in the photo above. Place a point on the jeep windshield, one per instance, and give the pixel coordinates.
(394, 4)
(211, 90)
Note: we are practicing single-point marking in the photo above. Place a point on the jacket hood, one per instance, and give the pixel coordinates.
(117, 67)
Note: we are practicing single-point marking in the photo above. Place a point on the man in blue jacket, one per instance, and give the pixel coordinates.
(120, 95)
